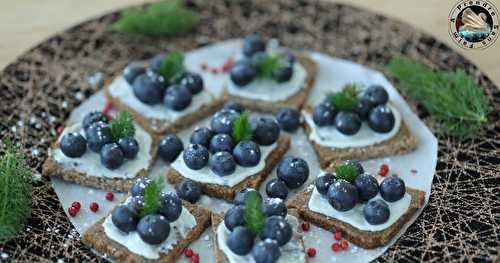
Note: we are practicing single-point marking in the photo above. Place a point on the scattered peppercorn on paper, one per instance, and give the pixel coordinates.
(416, 168)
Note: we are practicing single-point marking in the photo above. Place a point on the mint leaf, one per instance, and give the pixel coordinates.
(241, 128)
(172, 67)
(254, 215)
(122, 126)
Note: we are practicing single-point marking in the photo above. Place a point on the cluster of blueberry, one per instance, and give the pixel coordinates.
(98, 139)
(246, 69)
(152, 228)
(371, 108)
(344, 195)
(152, 88)
(276, 232)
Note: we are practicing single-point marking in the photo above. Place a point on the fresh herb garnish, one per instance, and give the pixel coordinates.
(241, 128)
(15, 191)
(172, 66)
(254, 215)
(152, 197)
(347, 172)
(454, 101)
(122, 126)
(268, 64)
(166, 18)
(346, 99)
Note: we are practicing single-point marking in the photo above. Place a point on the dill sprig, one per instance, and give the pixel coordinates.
(268, 64)
(122, 126)
(254, 215)
(346, 99)
(347, 172)
(241, 128)
(152, 197)
(172, 66)
(166, 18)
(15, 191)
(455, 102)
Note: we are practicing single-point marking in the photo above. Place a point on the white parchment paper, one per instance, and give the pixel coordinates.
(332, 74)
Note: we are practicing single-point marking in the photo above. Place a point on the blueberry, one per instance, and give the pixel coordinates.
(171, 206)
(266, 131)
(278, 229)
(347, 123)
(234, 217)
(283, 74)
(111, 156)
(342, 195)
(139, 186)
(132, 70)
(376, 212)
(92, 117)
(363, 109)
(392, 189)
(98, 134)
(266, 251)
(233, 105)
(135, 204)
(288, 119)
(274, 207)
(247, 153)
(240, 241)
(149, 88)
(195, 156)
(240, 197)
(357, 165)
(170, 147)
(323, 182)
(129, 146)
(201, 135)
(153, 229)
(293, 171)
(73, 145)
(242, 73)
(381, 119)
(376, 94)
(222, 163)
(253, 44)
(189, 190)
(221, 143)
(276, 188)
(177, 98)
(155, 62)
(367, 186)
(323, 114)
(223, 120)
(124, 219)
(192, 81)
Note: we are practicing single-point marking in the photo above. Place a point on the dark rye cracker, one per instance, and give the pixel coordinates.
(401, 143)
(96, 238)
(253, 181)
(364, 239)
(159, 126)
(295, 101)
(217, 218)
(51, 168)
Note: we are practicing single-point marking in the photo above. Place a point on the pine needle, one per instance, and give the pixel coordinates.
(254, 215)
(152, 196)
(15, 191)
(241, 128)
(346, 99)
(166, 18)
(455, 102)
(172, 67)
(122, 126)
(347, 172)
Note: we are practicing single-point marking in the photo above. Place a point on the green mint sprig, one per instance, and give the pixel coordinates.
(172, 66)
(15, 191)
(254, 215)
(122, 126)
(152, 197)
(346, 99)
(347, 172)
(241, 128)
(163, 19)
